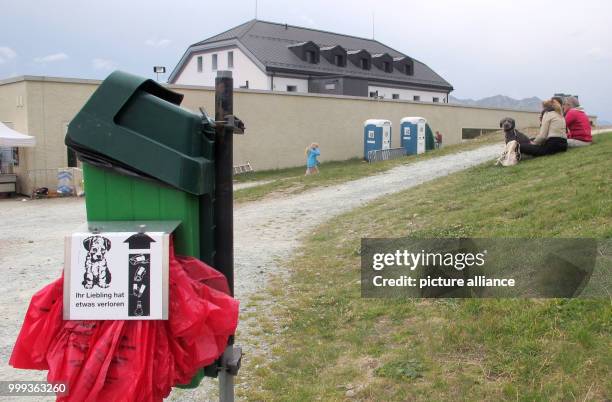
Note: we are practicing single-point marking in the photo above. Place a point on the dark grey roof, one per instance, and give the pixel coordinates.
(269, 43)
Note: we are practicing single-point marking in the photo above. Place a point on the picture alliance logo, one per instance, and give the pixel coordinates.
(411, 260)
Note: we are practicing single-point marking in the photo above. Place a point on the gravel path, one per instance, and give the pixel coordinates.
(266, 233)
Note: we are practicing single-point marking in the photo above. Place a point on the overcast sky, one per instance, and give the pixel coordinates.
(483, 48)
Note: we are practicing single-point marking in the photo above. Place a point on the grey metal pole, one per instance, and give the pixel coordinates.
(226, 379)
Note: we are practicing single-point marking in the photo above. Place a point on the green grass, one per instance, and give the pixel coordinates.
(293, 181)
(333, 345)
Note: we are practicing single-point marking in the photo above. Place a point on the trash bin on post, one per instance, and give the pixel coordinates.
(376, 136)
(146, 158)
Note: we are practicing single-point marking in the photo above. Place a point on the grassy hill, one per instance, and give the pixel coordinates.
(330, 344)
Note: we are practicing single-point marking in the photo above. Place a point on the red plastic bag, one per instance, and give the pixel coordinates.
(44, 316)
(130, 360)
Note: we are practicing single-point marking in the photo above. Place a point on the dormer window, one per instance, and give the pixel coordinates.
(310, 56)
(335, 55)
(360, 58)
(306, 51)
(404, 64)
(383, 61)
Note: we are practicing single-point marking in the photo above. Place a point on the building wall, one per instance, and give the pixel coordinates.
(407, 94)
(279, 124)
(13, 112)
(338, 86)
(281, 83)
(244, 70)
(48, 107)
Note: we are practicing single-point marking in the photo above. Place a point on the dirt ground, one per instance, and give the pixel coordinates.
(266, 234)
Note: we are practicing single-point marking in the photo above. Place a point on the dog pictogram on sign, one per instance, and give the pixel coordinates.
(116, 276)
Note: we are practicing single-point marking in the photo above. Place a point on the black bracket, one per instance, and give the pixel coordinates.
(231, 361)
(232, 122)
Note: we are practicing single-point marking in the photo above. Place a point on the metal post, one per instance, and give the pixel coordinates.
(226, 379)
(224, 198)
(224, 211)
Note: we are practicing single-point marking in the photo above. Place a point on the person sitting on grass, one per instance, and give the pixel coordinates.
(552, 137)
(311, 159)
(578, 125)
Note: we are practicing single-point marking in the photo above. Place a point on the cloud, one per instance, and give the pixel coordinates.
(103, 64)
(50, 58)
(157, 43)
(6, 54)
(309, 21)
(596, 53)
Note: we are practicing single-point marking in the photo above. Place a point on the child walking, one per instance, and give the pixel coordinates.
(311, 159)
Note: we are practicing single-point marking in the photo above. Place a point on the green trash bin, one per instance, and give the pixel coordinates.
(146, 158)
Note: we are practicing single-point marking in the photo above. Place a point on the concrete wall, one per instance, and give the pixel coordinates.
(279, 125)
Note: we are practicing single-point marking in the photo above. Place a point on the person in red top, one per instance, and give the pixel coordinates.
(577, 122)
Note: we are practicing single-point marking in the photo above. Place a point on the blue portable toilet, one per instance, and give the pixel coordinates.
(412, 132)
(376, 136)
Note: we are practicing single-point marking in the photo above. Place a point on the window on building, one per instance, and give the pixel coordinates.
(416, 98)
(200, 64)
(365, 64)
(373, 94)
(214, 62)
(310, 56)
(330, 86)
(387, 66)
(339, 59)
(436, 100)
(230, 59)
(395, 96)
(409, 69)
(291, 88)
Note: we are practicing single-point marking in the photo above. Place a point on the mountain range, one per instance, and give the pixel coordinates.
(502, 102)
(533, 104)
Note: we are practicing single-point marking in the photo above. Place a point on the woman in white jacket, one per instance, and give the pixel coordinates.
(552, 137)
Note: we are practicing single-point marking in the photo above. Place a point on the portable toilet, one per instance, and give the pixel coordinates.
(416, 135)
(376, 136)
(412, 131)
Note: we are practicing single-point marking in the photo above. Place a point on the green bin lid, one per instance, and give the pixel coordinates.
(114, 125)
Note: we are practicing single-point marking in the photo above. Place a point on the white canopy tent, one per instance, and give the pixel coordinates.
(10, 138)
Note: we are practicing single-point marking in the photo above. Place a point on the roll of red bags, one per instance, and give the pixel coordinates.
(130, 360)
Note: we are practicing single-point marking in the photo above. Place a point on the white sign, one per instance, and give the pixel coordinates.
(116, 276)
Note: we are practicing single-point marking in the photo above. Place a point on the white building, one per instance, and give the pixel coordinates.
(280, 57)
